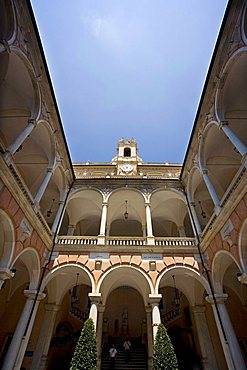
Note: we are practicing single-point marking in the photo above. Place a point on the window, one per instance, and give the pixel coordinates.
(127, 152)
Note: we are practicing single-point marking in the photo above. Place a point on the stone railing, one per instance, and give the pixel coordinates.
(126, 241)
(118, 241)
(77, 240)
(175, 242)
(170, 315)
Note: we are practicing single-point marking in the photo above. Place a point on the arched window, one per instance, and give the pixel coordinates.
(127, 152)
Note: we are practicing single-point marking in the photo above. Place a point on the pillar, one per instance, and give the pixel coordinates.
(206, 346)
(71, 230)
(5, 274)
(238, 144)
(58, 216)
(43, 186)
(181, 231)
(102, 232)
(16, 351)
(144, 230)
(22, 137)
(154, 299)
(45, 335)
(95, 299)
(150, 237)
(149, 336)
(211, 191)
(195, 218)
(232, 351)
(101, 310)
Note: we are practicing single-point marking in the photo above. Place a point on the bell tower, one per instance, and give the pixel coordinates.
(127, 158)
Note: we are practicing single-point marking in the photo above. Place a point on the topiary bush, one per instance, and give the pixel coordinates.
(85, 355)
(164, 356)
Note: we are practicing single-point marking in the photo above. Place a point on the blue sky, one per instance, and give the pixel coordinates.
(128, 68)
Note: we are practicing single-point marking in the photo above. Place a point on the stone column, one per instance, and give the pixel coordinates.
(154, 299)
(207, 350)
(101, 310)
(211, 191)
(238, 144)
(16, 351)
(95, 299)
(22, 137)
(71, 230)
(144, 230)
(181, 231)
(195, 218)
(5, 274)
(45, 335)
(150, 237)
(149, 336)
(58, 216)
(102, 232)
(43, 186)
(232, 351)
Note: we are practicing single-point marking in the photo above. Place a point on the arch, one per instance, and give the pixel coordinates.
(242, 245)
(111, 194)
(201, 150)
(188, 280)
(62, 278)
(7, 240)
(244, 24)
(223, 261)
(231, 95)
(124, 275)
(28, 257)
(8, 21)
(117, 207)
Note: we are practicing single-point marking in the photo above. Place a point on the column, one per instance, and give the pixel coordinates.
(154, 299)
(45, 335)
(149, 336)
(150, 237)
(71, 230)
(95, 299)
(206, 346)
(15, 354)
(101, 310)
(58, 216)
(181, 231)
(144, 230)
(238, 144)
(5, 274)
(43, 186)
(22, 136)
(232, 351)
(101, 237)
(195, 218)
(211, 191)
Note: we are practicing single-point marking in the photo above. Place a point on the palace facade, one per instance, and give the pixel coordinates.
(128, 243)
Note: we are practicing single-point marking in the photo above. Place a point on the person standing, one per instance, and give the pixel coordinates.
(113, 354)
(127, 346)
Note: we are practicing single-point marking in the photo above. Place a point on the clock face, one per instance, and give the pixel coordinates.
(126, 167)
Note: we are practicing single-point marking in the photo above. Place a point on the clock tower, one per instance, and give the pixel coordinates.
(127, 159)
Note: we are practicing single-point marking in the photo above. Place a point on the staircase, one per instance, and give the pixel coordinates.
(138, 356)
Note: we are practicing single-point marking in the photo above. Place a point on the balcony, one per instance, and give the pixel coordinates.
(67, 243)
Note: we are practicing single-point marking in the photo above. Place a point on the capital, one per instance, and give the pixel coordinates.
(204, 171)
(33, 122)
(222, 124)
(154, 299)
(219, 298)
(31, 294)
(243, 278)
(95, 298)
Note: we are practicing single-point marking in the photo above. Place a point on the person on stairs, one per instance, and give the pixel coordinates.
(127, 346)
(113, 354)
